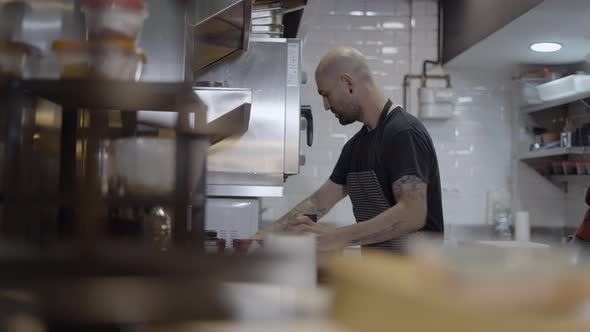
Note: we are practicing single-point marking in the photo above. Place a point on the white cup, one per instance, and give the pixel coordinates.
(522, 227)
(296, 266)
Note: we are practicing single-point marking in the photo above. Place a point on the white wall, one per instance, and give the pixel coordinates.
(396, 36)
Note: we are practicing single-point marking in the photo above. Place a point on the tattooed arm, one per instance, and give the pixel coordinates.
(407, 216)
(319, 203)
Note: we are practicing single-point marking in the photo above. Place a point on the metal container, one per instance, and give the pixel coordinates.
(566, 139)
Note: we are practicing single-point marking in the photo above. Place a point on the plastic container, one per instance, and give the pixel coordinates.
(569, 167)
(17, 59)
(114, 19)
(564, 87)
(108, 59)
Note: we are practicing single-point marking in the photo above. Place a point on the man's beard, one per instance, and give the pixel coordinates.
(346, 120)
(353, 116)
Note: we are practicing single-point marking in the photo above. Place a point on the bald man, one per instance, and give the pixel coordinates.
(389, 169)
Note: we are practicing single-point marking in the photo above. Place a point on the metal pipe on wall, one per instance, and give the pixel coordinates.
(423, 77)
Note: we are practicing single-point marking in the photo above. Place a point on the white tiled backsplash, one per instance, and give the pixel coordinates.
(474, 148)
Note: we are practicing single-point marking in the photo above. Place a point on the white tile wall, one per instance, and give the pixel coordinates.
(474, 148)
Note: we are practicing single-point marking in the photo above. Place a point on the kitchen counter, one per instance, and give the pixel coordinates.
(539, 234)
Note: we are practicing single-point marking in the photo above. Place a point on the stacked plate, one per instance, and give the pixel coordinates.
(267, 20)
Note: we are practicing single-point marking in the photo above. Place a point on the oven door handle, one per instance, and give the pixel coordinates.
(308, 116)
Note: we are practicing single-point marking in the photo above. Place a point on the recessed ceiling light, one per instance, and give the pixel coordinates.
(546, 47)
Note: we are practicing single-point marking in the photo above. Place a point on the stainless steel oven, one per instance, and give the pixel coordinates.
(256, 163)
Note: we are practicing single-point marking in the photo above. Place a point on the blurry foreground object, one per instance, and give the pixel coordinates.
(470, 288)
(17, 59)
(114, 19)
(121, 288)
(109, 59)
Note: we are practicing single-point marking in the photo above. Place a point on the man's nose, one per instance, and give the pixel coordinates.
(326, 105)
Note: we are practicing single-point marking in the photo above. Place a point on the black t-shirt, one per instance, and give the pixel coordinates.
(399, 146)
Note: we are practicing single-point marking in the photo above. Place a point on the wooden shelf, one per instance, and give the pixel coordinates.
(554, 103)
(581, 150)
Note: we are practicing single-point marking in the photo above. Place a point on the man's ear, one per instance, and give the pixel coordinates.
(349, 81)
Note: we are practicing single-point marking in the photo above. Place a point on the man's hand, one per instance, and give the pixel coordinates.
(328, 238)
(319, 203)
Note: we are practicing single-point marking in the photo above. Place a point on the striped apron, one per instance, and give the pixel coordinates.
(368, 200)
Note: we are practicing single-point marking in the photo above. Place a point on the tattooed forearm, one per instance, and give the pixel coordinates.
(310, 205)
(320, 210)
(318, 204)
(391, 232)
(409, 187)
(408, 215)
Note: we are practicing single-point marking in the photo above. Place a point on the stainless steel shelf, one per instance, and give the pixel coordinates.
(559, 180)
(554, 103)
(107, 95)
(555, 153)
(569, 178)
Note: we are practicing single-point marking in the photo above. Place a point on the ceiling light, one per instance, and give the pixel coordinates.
(546, 47)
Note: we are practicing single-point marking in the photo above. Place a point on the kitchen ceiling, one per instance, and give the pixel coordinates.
(563, 21)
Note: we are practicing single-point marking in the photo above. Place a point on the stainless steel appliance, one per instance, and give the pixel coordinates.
(256, 163)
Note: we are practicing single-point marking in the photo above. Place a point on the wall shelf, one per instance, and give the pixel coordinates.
(561, 181)
(581, 150)
(569, 178)
(532, 108)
